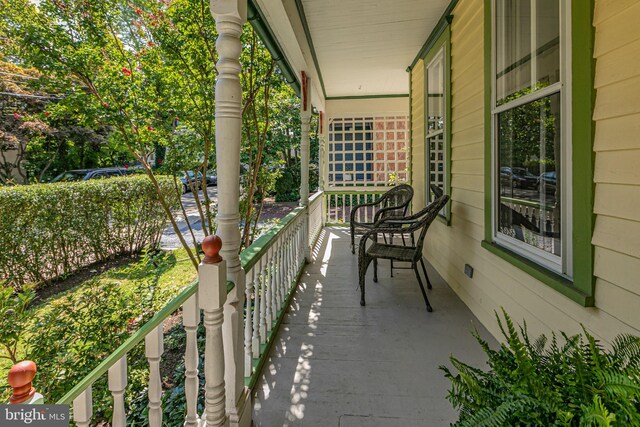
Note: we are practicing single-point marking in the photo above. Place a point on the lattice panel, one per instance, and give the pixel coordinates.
(436, 161)
(368, 150)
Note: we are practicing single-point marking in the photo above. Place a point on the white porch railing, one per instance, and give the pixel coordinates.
(208, 295)
(272, 268)
(273, 264)
(340, 202)
(316, 216)
(532, 212)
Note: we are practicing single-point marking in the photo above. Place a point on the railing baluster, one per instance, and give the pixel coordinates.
(350, 205)
(268, 278)
(279, 275)
(343, 208)
(273, 293)
(83, 408)
(263, 301)
(248, 326)
(190, 321)
(256, 311)
(154, 347)
(366, 211)
(117, 378)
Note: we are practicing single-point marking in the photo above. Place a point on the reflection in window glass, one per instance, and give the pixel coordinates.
(527, 47)
(529, 164)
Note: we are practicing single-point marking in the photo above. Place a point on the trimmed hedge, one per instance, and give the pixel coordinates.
(49, 230)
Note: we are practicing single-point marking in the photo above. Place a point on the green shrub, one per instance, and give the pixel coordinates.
(288, 185)
(571, 381)
(49, 230)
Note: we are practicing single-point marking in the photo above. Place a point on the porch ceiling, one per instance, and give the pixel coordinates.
(363, 47)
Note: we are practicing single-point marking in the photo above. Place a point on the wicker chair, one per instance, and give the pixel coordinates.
(417, 223)
(436, 190)
(394, 204)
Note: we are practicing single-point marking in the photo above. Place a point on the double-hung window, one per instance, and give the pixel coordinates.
(437, 120)
(531, 132)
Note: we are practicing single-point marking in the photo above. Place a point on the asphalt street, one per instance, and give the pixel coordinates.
(170, 239)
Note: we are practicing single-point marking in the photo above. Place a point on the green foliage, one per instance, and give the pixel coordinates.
(87, 323)
(49, 230)
(13, 312)
(571, 381)
(287, 187)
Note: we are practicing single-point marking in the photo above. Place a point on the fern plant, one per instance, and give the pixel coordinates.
(562, 381)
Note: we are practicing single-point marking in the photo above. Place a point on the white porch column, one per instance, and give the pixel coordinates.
(305, 119)
(230, 15)
(321, 152)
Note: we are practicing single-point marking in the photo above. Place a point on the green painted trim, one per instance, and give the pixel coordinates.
(307, 33)
(583, 132)
(555, 281)
(443, 41)
(262, 28)
(265, 349)
(488, 153)
(443, 23)
(582, 288)
(132, 341)
(392, 95)
(250, 256)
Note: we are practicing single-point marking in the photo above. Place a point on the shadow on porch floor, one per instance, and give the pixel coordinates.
(335, 363)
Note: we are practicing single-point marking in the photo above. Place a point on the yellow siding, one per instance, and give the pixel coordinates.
(617, 148)
(417, 138)
(497, 283)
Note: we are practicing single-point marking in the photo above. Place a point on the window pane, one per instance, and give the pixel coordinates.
(529, 162)
(547, 42)
(435, 94)
(527, 47)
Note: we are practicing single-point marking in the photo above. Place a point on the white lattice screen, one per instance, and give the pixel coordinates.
(368, 150)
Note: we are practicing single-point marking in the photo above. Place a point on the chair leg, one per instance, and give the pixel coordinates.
(353, 244)
(375, 270)
(424, 270)
(424, 293)
(362, 273)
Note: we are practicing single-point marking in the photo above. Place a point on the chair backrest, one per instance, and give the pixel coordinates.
(399, 197)
(425, 217)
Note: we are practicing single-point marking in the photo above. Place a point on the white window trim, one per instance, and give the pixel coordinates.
(563, 265)
(443, 50)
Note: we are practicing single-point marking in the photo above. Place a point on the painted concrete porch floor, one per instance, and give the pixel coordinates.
(335, 363)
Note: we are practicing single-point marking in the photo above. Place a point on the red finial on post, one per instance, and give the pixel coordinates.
(20, 377)
(211, 246)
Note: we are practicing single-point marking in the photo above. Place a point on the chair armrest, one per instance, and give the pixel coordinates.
(395, 221)
(390, 208)
(352, 216)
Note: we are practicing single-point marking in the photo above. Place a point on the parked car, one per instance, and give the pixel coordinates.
(211, 178)
(518, 177)
(86, 174)
(191, 180)
(547, 182)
